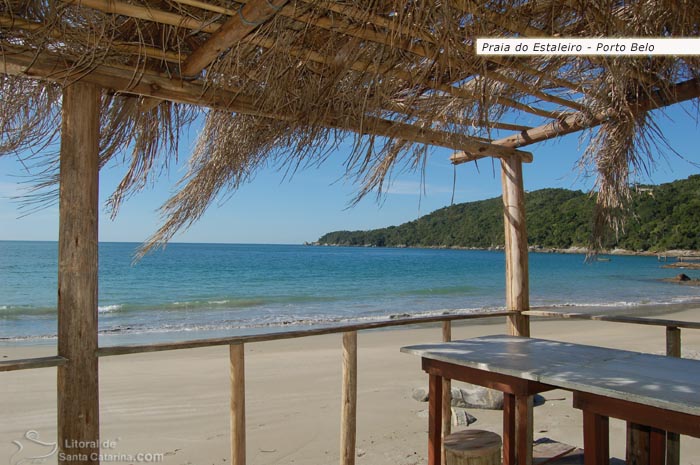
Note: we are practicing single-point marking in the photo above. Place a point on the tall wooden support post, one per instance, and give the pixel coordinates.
(78, 393)
(237, 361)
(517, 279)
(517, 284)
(446, 393)
(348, 418)
(673, 440)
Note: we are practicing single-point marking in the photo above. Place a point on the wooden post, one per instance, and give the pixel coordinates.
(238, 441)
(77, 381)
(517, 282)
(446, 393)
(641, 442)
(434, 423)
(673, 440)
(348, 419)
(596, 442)
(638, 443)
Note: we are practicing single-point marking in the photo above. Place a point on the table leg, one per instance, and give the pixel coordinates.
(657, 447)
(434, 419)
(508, 429)
(596, 437)
(523, 429)
(645, 445)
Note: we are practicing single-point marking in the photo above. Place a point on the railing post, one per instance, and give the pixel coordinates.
(348, 418)
(673, 440)
(78, 406)
(238, 441)
(446, 393)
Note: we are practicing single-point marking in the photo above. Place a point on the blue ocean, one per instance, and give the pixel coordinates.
(211, 290)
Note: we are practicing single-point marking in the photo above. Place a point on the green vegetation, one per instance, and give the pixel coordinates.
(661, 218)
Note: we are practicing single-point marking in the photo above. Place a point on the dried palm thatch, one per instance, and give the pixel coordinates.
(280, 83)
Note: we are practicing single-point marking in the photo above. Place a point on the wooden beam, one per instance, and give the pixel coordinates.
(348, 416)
(249, 17)
(517, 287)
(568, 124)
(389, 71)
(118, 7)
(196, 93)
(517, 280)
(77, 380)
(446, 394)
(31, 363)
(434, 421)
(367, 17)
(673, 440)
(238, 428)
(528, 89)
(213, 342)
(122, 47)
(513, 63)
(172, 19)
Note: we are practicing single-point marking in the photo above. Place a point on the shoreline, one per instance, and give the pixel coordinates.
(47, 345)
(580, 250)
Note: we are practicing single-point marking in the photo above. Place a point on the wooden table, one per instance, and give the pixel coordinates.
(658, 391)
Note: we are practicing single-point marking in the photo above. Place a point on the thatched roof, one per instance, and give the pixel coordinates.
(282, 82)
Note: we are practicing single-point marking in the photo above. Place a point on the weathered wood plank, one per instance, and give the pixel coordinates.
(238, 428)
(446, 394)
(596, 442)
(673, 440)
(78, 392)
(193, 344)
(348, 417)
(577, 121)
(434, 422)
(29, 363)
(250, 16)
(517, 280)
(617, 319)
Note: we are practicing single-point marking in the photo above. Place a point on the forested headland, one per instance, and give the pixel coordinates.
(662, 217)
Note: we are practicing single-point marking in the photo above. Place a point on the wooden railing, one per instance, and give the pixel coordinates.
(349, 370)
(237, 371)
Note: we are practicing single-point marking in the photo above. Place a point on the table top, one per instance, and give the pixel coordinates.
(665, 382)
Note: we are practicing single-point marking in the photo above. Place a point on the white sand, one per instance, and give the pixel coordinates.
(176, 403)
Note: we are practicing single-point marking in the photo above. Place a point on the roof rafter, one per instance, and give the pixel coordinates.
(249, 17)
(577, 121)
(161, 87)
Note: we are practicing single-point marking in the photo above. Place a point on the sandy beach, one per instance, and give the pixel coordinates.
(176, 403)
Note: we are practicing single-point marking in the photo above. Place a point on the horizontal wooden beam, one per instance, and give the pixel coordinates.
(198, 343)
(195, 93)
(616, 319)
(30, 363)
(122, 47)
(172, 19)
(249, 17)
(574, 122)
(146, 13)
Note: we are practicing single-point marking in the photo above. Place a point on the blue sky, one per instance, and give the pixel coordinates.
(315, 201)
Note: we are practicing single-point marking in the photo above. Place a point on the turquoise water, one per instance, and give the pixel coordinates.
(217, 289)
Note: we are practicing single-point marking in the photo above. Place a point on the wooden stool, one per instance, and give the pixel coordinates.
(473, 447)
